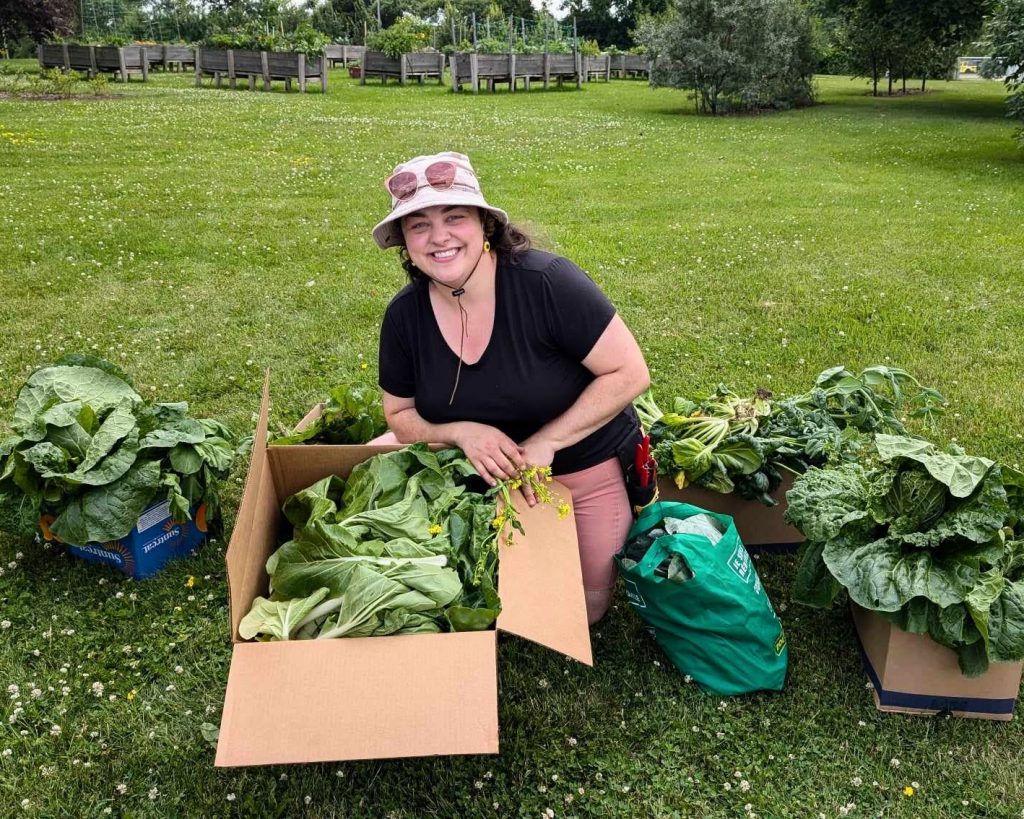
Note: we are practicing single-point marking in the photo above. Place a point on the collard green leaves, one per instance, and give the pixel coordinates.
(925, 537)
(93, 454)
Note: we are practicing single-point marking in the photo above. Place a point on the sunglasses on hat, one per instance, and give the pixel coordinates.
(404, 184)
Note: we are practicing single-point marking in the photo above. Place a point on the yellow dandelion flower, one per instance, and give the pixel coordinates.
(363, 366)
(908, 791)
(131, 695)
(190, 582)
(436, 529)
(177, 608)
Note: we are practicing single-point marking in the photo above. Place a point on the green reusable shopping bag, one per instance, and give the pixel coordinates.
(703, 602)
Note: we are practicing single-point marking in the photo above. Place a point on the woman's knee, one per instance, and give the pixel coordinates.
(598, 601)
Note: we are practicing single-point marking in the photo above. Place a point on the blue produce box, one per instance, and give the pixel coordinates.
(156, 539)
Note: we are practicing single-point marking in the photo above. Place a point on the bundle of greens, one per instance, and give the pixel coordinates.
(91, 454)
(353, 415)
(931, 539)
(407, 544)
(727, 443)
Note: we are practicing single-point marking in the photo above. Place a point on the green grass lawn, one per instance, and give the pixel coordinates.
(196, 237)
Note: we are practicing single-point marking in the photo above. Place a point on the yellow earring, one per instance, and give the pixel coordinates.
(487, 246)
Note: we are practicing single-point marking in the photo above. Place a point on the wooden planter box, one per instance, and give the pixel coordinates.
(597, 68)
(475, 68)
(343, 54)
(419, 65)
(254, 65)
(634, 65)
(119, 60)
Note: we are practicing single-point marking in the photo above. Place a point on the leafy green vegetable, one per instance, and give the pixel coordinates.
(408, 544)
(353, 415)
(92, 454)
(924, 536)
(727, 443)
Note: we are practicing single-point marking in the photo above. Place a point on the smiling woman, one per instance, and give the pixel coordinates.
(512, 354)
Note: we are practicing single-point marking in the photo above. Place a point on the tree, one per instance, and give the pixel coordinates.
(1005, 40)
(733, 54)
(38, 19)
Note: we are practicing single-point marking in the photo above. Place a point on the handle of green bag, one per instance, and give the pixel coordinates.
(665, 546)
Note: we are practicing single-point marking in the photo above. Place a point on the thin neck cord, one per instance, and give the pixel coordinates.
(463, 318)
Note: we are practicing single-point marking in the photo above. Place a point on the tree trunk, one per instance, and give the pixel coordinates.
(888, 74)
(904, 82)
(874, 77)
(924, 79)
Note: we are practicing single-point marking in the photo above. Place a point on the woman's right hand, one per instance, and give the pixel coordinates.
(493, 454)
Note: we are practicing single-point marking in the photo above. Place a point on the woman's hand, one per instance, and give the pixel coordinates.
(493, 454)
(536, 452)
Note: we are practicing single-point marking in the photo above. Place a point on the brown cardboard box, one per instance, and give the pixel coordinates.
(912, 674)
(759, 526)
(380, 697)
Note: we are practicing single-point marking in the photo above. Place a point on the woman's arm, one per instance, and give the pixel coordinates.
(493, 454)
(621, 375)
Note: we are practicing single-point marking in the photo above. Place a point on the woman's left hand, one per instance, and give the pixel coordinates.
(536, 452)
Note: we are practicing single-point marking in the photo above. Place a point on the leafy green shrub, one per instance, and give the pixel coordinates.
(405, 36)
(304, 40)
(733, 54)
(1005, 41)
(589, 48)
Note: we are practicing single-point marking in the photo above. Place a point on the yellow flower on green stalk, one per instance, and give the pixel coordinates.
(436, 529)
(131, 695)
(564, 509)
(190, 582)
(908, 791)
(498, 522)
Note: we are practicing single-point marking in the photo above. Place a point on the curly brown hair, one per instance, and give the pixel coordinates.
(508, 241)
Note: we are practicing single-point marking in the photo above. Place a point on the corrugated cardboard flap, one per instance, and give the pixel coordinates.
(245, 561)
(363, 698)
(541, 583)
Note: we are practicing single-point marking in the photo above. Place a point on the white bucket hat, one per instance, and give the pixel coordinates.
(426, 181)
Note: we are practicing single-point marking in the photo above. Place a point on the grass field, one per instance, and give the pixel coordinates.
(196, 237)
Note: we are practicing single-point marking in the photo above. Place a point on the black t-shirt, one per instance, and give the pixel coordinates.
(548, 316)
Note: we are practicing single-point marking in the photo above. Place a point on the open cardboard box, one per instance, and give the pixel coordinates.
(380, 697)
(759, 526)
(912, 674)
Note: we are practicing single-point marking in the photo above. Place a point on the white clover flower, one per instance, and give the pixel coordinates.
(894, 763)
(122, 788)
(230, 797)
(55, 730)
(154, 792)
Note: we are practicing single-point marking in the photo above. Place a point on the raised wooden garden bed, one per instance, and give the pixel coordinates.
(253, 65)
(119, 60)
(510, 68)
(418, 65)
(633, 65)
(343, 54)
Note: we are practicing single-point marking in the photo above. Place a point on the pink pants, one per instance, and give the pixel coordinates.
(601, 508)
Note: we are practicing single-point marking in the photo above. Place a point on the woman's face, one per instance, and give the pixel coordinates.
(444, 241)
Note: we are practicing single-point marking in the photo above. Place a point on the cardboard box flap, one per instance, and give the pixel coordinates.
(372, 698)
(541, 583)
(245, 564)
